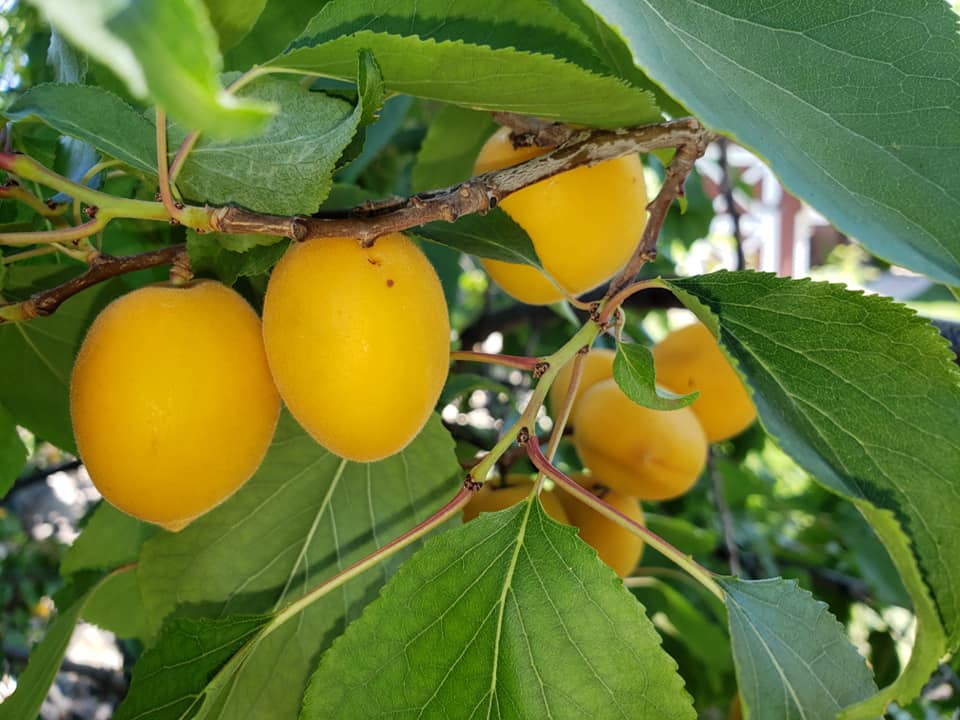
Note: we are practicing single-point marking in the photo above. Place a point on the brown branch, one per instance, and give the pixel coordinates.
(690, 147)
(102, 267)
(726, 190)
(528, 131)
(484, 192)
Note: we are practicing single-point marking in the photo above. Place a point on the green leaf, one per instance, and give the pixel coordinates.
(212, 255)
(865, 396)
(188, 658)
(693, 540)
(93, 115)
(232, 20)
(451, 147)
(279, 23)
(877, 159)
(793, 658)
(13, 453)
(494, 235)
(516, 55)
(39, 353)
(110, 538)
(304, 515)
(44, 663)
(510, 615)
(634, 373)
(164, 49)
(288, 169)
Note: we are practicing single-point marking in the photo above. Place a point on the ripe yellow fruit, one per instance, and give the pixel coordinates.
(494, 496)
(597, 366)
(643, 453)
(690, 359)
(584, 223)
(172, 402)
(358, 342)
(617, 547)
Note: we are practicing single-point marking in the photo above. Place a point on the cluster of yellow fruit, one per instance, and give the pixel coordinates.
(174, 393)
(635, 453)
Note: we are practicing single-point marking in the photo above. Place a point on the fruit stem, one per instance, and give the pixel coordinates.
(163, 168)
(697, 571)
(527, 420)
(376, 557)
(520, 362)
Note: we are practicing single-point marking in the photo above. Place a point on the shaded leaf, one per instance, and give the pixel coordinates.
(634, 373)
(451, 147)
(516, 55)
(233, 20)
(304, 515)
(109, 539)
(494, 235)
(215, 255)
(13, 453)
(793, 658)
(877, 159)
(509, 615)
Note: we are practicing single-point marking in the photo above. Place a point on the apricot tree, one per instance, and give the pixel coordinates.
(346, 169)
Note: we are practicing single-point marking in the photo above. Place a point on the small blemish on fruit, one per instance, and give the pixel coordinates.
(373, 260)
(389, 282)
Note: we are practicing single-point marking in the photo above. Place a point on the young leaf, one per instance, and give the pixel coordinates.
(166, 49)
(509, 615)
(866, 397)
(305, 515)
(634, 373)
(793, 658)
(35, 681)
(488, 55)
(450, 148)
(494, 235)
(13, 453)
(189, 658)
(875, 161)
(40, 353)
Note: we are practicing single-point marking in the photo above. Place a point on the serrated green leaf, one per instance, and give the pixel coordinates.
(286, 170)
(634, 373)
(40, 353)
(451, 147)
(164, 49)
(189, 658)
(494, 235)
(13, 453)
(516, 55)
(44, 662)
(232, 20)
(212, 255)
(510, 615)
(93, 115)
(878, 158)
(865, 396)
(793, 658)
(305, 515)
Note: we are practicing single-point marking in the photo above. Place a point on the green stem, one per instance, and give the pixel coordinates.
(375, 558)
(520, 362)
(613, 304)
(583, 337)
(556, 435)
(695, 569)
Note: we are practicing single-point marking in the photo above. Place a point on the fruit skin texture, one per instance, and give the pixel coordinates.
(172, 402)
(617, 547)
(690, 359)
(494, 496)
(584, 223)
(643, 453)
(597, 366)
(358, 342)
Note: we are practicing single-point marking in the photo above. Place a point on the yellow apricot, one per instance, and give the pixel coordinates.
(495, 496)
(643, 453)
(597, 366)
(358, 342)
(172, 402)
(584, 223)
(690, 359)
(617, 547)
